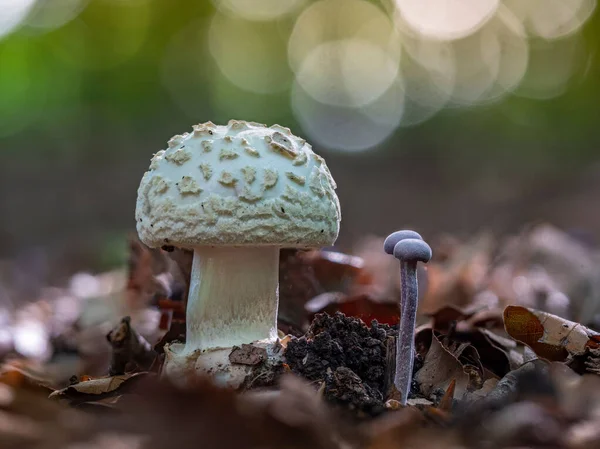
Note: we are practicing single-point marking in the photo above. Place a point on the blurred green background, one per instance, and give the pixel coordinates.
(442, 115)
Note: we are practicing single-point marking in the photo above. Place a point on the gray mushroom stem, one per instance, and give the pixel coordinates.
(233, 296)
(405, 346)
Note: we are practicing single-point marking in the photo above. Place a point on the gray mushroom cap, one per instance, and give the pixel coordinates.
(412, 250)
(392, 240)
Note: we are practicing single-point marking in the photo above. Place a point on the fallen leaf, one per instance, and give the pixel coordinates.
(551, 337)
(492, 356)
(96, 389)
(439, 368)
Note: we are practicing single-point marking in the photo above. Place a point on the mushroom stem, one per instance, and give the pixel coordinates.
(233, 297)
(405, 345)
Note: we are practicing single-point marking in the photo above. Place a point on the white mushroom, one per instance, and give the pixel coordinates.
(234, 194)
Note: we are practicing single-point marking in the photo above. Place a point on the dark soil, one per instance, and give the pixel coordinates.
(348, 356)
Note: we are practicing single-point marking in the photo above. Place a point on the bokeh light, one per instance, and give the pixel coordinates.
(552, 19)
(347, 128)
(349, 72)
(52, 14)
(12, 13)
(551, 67)
(446, 19)
(248, 55)
(429, 75)
(259, 9)
(335, 20)
(346, 56)
(504, 42)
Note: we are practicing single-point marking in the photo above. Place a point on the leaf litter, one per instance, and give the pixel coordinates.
(507, 354)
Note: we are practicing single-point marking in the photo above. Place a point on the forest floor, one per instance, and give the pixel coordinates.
(507, 353)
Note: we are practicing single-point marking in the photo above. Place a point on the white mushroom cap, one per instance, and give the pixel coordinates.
(240, 184)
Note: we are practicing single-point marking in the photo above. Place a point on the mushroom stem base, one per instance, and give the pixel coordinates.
(183, 368)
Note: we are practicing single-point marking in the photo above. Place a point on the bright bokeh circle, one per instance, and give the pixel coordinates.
(12, 14)
(446, 19)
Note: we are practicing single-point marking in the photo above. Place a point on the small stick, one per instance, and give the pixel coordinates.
(409, 248)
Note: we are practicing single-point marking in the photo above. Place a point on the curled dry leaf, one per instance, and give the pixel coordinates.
(459, 363)
(480, 328)
(97, 389)
(551, 337)
(439, 368)
(494, 357)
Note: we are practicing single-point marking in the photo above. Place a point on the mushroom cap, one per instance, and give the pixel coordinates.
(239, 184)
(412, 250)
(392, 240)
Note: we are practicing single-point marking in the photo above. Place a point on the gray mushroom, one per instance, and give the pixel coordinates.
(409, 248)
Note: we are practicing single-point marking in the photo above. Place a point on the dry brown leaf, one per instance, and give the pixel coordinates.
(97, 389)
(551, 337)
(439, 369)
(494, 358)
